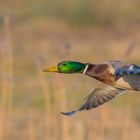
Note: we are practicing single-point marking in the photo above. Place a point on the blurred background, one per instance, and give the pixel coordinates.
(35, 34)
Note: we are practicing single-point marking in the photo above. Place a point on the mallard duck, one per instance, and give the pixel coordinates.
(117, 76)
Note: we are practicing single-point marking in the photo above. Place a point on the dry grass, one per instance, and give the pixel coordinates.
(7, 79)
(80, 12)
(45, 45)
(31, 101)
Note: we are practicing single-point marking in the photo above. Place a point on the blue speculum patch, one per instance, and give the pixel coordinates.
(131, 69)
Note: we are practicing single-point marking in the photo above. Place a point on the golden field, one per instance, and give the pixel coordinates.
(38, 34)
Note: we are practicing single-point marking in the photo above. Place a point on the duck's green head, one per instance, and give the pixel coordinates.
(67, 67)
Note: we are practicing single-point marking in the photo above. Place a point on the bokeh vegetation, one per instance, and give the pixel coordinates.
(35, 34)
(108, 12)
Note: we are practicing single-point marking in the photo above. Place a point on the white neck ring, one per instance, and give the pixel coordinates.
(85, 69)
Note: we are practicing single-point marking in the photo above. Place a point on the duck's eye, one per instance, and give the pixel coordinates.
(64, 64)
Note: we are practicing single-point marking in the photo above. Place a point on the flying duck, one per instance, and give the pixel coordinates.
(117, 76)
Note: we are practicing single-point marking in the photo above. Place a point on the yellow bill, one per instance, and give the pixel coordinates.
(52, 69)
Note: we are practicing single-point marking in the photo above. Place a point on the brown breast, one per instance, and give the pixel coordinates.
(101, 72)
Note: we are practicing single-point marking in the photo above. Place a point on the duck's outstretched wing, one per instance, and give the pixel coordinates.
(130, 69)
(97, 97)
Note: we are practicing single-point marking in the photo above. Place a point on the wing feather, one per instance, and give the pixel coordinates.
(97, 97)
(130, 69)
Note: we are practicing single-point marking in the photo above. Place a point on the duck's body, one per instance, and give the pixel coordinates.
(117, 75)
